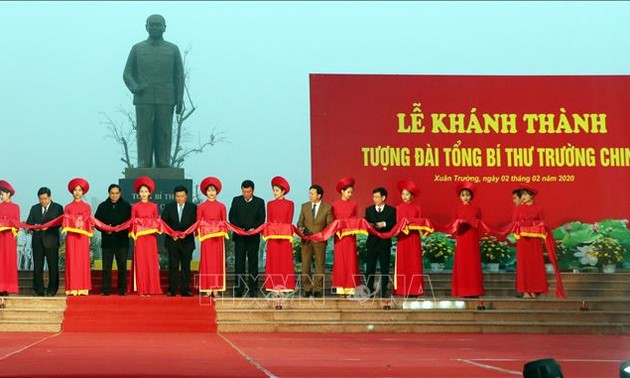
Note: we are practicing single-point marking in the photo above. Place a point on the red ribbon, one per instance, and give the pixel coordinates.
(339, 228)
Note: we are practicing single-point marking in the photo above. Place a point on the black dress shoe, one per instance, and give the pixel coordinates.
(169, 294)
(121, 293)
(317, 294)
(105, 294)
(308, 294)
(50, 294)
(187, 294)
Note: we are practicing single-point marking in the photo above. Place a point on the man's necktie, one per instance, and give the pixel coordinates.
(179, 212)
(313, 210)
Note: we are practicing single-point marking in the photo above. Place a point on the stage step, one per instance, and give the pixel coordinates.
(31, 314)
(490, 303)
(499, 315)
(577, 285)
(400, 316)
(428, 327)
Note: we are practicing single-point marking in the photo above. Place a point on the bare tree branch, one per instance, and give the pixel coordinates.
(214, 138)
(117, 133)
(129, 115)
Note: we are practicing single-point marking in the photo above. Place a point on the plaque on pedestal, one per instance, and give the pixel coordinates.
(155, 173)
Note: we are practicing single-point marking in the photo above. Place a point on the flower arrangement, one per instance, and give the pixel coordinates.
(607, 251)
(438, 248)
(597, 244)
(493, 250)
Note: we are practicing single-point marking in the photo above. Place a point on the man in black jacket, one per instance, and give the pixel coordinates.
(179, 215)
(247, 212)
(383, 218)
(45, 243)
(114, 211)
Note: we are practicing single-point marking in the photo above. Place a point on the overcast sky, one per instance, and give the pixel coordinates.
(61, 65)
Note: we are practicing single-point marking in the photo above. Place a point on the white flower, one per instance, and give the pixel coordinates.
(586, 258)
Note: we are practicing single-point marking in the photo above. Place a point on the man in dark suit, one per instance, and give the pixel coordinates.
(179, 215)
(383, 218)
(315, 215)
(247, 212)
(45, 243)
(114, 211)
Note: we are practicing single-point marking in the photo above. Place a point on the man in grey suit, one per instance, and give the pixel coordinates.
(154, 73)
(315, 215)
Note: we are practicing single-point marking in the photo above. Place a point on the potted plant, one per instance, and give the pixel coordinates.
(437, 249)
(493, 253)
(608, 253)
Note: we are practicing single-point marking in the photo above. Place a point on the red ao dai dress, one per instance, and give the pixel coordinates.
(531, 276)
(212, 259)
(408, 278)
(345, 260)
(467, 276)
(78, 267)
(279, 268)
(9, 216)
(146, 263)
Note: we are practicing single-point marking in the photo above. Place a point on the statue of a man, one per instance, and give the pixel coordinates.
(154, 73)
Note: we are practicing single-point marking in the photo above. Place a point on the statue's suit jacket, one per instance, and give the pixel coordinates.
(158, 69)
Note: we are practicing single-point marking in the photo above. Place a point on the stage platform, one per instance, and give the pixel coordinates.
(596, 304)
(122, 355)
(160, 336)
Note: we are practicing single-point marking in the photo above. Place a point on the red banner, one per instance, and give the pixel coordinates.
(568, 136)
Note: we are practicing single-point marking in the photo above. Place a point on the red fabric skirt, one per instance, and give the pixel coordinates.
(8, 263)
(146, 266)
(279, 267)
(78, 269)
(467, 276)
(408, 272)
(345, 275)
(212, 265)
(531, 276)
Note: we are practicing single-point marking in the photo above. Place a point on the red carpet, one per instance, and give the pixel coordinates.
(430, 355)
(139, 314)
(118, 355)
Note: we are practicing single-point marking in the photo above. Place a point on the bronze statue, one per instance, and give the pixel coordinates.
(154, 73)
